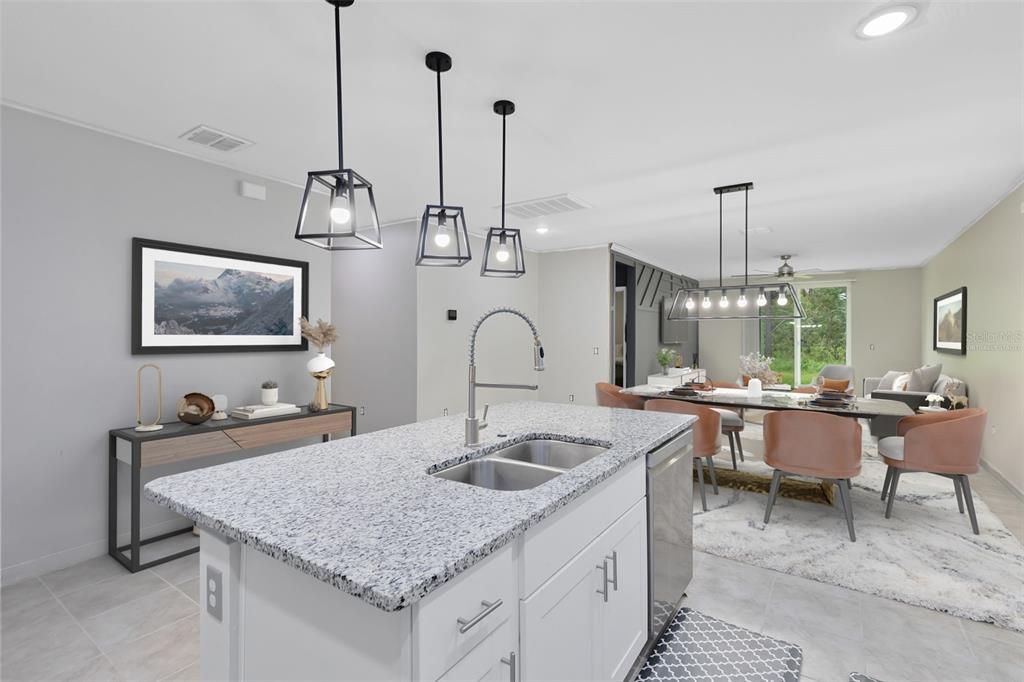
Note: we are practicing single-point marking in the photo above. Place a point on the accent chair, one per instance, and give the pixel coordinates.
(610, 395)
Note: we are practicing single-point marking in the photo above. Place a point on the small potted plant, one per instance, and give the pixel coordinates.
(666, 358)
(268, 392)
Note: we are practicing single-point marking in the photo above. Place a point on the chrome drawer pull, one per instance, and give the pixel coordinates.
(604, 580)
(489, 608)
(510, 661)
(615, 570)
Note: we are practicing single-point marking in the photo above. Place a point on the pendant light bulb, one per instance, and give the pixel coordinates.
(442, 238)
(340, 211)
(762, 300)
(690, 305)
(723, 301)
(502, 253)
(782, 300)
(706, 303)
(742, 300)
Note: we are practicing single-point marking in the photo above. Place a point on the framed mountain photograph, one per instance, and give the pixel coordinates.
(191, 299)
(949, 333)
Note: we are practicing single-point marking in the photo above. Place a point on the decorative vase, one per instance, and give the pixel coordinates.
(268, 396)
(664, 369)
(319, 367)
(754, 388)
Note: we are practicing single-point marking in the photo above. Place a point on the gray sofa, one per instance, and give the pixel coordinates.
(886, 426)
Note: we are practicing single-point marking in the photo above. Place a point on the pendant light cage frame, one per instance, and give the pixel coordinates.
(497, 237)
(342, 183)
(441, 220)
(697, 304)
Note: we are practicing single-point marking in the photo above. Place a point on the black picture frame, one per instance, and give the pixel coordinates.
(140, 347)
(960, 347)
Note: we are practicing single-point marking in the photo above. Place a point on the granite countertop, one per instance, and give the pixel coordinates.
(362, 514)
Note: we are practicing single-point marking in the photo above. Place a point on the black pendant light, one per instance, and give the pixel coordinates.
(503, 251)
(349, 218)
(774, 306)
(444, 239)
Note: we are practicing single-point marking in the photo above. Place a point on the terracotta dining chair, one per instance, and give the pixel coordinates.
(943, 443)
(707, 437)
(610, 395)
(813, 444)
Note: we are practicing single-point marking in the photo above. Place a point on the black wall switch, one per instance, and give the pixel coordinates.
(453, 315)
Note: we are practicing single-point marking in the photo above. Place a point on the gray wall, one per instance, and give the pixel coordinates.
(373, 304)
(72, 201)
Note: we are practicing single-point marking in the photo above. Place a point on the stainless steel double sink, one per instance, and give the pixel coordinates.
(521, 466)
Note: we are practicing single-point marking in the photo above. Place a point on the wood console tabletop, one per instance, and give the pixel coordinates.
(181, 442)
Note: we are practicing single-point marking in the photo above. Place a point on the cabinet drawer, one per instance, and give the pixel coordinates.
(290, 429)
(491, 660)
(556, 540)
(169, 450)
(438, 642)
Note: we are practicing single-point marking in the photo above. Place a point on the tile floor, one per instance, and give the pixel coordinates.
(95, 621)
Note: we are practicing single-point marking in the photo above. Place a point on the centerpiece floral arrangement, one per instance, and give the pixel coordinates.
(757, 366)
(322, 335)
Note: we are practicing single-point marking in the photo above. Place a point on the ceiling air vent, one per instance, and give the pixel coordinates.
(535, 208)
(215, 139)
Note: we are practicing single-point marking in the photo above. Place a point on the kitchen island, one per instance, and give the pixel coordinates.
(350, 560)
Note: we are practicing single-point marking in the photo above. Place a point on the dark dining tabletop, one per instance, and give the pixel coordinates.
(861, 408)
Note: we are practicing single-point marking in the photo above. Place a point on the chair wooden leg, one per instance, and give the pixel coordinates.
(700, 484)
(959, 494)
(732, 449)
(776, 482)
(739, 445)
(888, 481)
(845, 497)
(892, 491)
(711, 473)
(965, 483)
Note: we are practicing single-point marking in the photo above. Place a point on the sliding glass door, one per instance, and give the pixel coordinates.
(800, 348)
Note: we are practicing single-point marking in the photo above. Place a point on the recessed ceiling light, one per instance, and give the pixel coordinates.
(886, 20)
(542, 229)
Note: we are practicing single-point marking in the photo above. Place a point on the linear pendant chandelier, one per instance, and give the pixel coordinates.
(444, 239)
(773, 302)
(348, 220)
(503, 250)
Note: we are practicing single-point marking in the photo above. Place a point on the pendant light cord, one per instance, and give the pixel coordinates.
(719, 240)
(440, 144)
(337, 69)
(746, 240)
(503, 118)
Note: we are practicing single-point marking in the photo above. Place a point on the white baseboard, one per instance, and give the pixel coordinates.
(1002, 479)
(75, 555)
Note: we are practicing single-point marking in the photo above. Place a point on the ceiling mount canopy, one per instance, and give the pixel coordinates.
(444, 239)
(772, 301)
(503, 250)
(338, 211)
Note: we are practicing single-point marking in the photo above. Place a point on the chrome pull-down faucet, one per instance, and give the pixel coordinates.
(474, 425)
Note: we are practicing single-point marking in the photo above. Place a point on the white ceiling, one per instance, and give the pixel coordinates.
(864, 154)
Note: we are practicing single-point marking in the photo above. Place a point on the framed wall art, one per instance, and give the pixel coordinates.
(192, 299)
(949, 322)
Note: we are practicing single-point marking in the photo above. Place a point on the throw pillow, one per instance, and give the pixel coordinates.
(838, 385)
(922, 379)
(888, 380)
(901, 382)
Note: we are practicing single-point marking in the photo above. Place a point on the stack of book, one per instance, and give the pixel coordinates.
(261, 411)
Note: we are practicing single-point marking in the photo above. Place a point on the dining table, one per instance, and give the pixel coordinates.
(740, 399)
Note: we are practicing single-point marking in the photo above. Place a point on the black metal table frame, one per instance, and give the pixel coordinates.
(136, 542)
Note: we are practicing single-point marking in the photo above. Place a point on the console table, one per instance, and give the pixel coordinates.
(180, 442)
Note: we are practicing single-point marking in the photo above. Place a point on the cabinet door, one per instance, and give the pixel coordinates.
(558, 626)
(622, 620)
(490, 660)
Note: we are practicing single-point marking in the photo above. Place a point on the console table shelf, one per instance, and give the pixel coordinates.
(180, 442)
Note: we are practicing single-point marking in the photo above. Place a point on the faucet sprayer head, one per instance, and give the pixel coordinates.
(538, 356)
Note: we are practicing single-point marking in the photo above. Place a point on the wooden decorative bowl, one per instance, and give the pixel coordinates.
(195, 408)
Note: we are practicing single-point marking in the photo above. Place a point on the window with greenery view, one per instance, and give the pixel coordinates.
(799, 352)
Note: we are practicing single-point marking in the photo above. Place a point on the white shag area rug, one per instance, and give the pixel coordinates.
(925, 555)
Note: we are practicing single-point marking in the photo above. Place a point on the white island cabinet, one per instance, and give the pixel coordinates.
(567, 600)
(351, 560)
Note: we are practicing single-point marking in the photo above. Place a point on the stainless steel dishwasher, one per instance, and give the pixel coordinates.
(669, 529)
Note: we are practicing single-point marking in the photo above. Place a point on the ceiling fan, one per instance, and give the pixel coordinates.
(786, 272)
